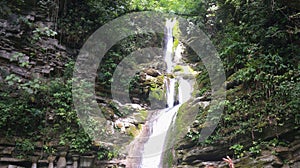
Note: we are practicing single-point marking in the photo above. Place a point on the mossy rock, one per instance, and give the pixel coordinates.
(107, 112)
(178, 68)
(144, 114)
(133, 131)
(157, 98)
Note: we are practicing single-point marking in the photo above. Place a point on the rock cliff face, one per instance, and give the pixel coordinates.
(28, 47)
(280, 145)
(187, 154)
(274, 145)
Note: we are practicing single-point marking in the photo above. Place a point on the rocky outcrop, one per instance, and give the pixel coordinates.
(28, 47)
(150, 81)
(188, 154)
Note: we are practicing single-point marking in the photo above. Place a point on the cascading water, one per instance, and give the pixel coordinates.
(147, 149)
(169, 44)
(169, 83)
(154, 147)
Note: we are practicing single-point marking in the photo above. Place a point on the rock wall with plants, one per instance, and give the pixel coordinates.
(259, 45)
(40, 40)
(258, 42)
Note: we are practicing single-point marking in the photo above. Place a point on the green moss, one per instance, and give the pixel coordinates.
(186, 113)
(144, 114)
(176, 89)
(176, 34)
(157, 94)
(168, 159)
(175, 44)
(133, 131)
(176, 30)
(140, 126)
(178, 68)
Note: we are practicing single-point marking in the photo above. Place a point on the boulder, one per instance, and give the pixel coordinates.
(205, 153)
(152, 72)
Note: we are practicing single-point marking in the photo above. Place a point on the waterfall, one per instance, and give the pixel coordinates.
(159, 124)
(170, 92)
(147, 149)
(152, 153)
(169, 83)
(169, 44)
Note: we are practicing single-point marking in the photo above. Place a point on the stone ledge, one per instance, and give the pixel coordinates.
(14, 160)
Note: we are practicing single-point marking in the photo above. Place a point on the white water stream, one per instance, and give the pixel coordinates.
(154, 147)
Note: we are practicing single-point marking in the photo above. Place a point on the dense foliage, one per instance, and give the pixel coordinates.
(258, 42)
